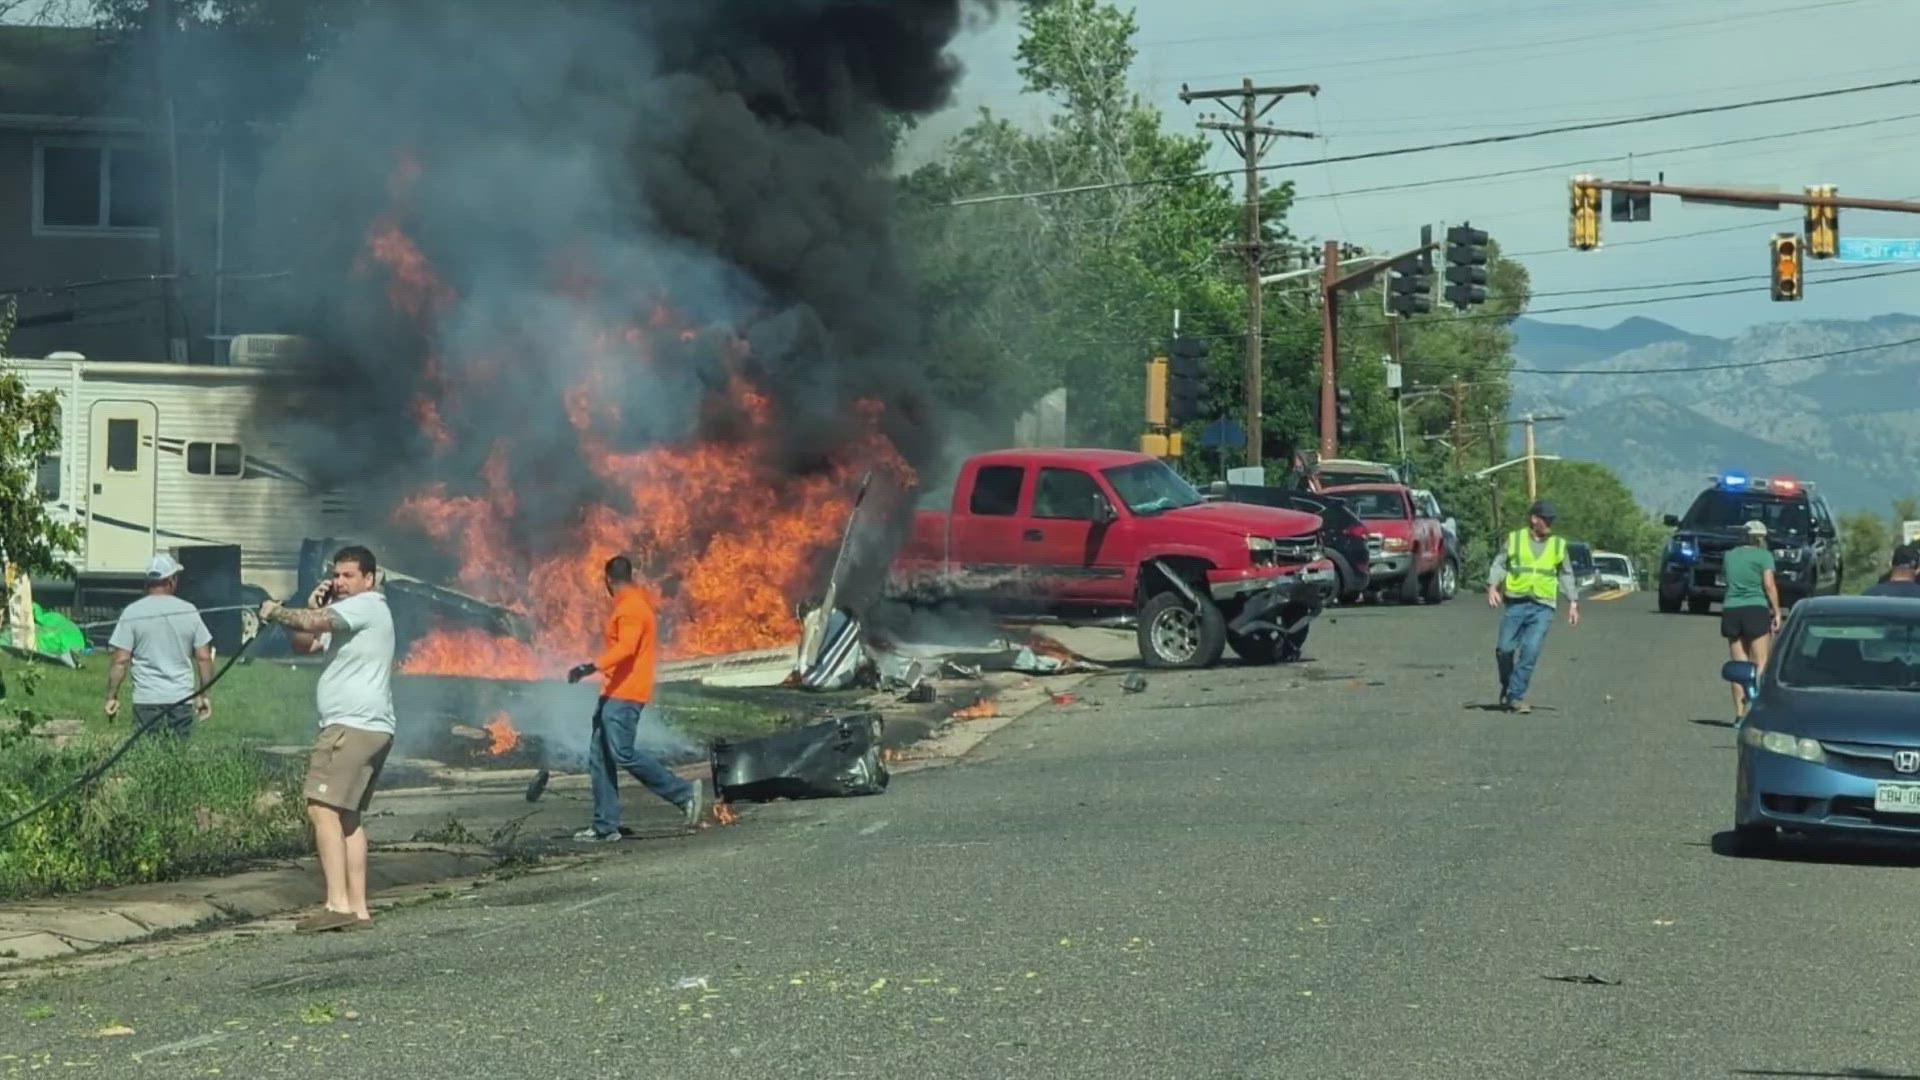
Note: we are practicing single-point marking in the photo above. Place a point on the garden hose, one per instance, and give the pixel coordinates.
(100, 770)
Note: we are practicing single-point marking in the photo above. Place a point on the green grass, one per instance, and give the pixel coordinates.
(166, 810)
(271, 701)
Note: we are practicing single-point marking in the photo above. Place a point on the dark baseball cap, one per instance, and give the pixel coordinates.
(1542, 510)
(1906, 555)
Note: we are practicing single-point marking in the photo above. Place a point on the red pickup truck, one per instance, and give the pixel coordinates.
(1108, 537)
(1407, 543)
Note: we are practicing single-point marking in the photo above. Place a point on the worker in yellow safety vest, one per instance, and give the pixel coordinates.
(1529, 575)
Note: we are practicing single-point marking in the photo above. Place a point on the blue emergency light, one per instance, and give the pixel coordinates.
(1734, 481)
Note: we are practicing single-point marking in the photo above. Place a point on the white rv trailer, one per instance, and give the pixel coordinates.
(155, 457)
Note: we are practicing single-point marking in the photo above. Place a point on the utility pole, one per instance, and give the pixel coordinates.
(1459, 425)
(1251, 140)
(1332, 284)
(161, 13)
(1533, 482)
(1494, 450)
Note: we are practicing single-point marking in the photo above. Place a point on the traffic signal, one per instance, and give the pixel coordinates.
(1157, 392)
(1823, 223)
(1466, 266)
(1586, 213)
(1785, 256)
(1186, 380)
(1630, 205)
(1410, 290)
(1343, 411)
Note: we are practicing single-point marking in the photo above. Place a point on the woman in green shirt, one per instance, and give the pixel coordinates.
(1751, 611)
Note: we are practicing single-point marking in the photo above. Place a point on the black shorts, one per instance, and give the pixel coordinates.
(1746, 623)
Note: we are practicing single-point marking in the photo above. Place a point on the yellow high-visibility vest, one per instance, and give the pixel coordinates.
(1530, 576)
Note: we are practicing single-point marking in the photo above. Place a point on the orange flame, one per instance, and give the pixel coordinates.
(740, 536)
(505, 737)
(724, 814)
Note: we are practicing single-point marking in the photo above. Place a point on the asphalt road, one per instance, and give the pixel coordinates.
(1346, 867)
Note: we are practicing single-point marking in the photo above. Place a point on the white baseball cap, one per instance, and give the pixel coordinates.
(1756, 528)
(162, 567)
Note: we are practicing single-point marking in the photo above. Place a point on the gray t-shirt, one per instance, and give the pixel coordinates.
(356, 689)
(161, 632)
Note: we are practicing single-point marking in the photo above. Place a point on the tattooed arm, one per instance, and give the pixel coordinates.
(307, 624)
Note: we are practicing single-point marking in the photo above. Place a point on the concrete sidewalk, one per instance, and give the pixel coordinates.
(474, 818)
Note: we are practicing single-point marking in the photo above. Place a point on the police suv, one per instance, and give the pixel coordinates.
(1800, 530)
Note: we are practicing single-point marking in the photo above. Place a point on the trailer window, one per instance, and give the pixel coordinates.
(46, 478)
(215, 459)
(123, 446)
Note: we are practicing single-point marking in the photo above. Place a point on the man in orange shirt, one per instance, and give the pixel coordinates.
(627, 662)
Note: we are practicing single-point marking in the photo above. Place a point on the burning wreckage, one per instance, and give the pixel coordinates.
(689, 349)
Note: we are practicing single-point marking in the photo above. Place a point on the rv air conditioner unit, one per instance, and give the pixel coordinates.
(269, 350)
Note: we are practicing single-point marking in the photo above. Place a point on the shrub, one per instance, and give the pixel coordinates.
(168, 809)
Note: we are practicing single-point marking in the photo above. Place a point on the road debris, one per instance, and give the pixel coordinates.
(921, 694)
(692, 982)
(981, 710)
(836, 758)
(1134, 683)
(953, 669)
(1063, 699)
(1583, 980)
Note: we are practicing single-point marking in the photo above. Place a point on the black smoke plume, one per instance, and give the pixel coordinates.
(565, 168)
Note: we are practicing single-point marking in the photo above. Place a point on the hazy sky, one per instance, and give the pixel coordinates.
(1405, 72)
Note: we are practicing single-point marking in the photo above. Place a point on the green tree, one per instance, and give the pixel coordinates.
(1865, 544)
(1594, 508)
(29, 536)
(1076, 290)
(29, 434)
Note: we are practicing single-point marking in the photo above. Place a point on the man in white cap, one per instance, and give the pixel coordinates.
(163, 639)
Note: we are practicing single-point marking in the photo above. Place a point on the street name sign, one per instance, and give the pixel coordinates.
(1863, 249)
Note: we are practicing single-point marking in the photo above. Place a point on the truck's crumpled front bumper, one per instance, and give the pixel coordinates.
(1287, 603)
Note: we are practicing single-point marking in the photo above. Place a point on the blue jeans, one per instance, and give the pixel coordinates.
(614, 722)
(1523, 629)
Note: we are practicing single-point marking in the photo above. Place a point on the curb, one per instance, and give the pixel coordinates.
(60, 927)
(48, 929)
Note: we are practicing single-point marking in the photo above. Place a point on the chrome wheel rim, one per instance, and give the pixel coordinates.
(1176, 634)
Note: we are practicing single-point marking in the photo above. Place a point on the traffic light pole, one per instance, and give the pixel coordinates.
(1763, 199)
(1332, 284)
(1251, 141)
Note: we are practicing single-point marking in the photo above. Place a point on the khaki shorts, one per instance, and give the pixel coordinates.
(344, 765)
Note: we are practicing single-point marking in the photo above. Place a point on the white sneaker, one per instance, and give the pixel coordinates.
(588, 836)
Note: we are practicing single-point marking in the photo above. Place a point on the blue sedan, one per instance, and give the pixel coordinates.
(1831, 741)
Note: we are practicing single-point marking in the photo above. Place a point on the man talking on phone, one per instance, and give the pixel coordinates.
(347, 618)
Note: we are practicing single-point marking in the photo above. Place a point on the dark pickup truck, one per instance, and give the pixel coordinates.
(1108, 537)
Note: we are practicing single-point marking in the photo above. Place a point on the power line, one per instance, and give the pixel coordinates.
(1639, 32)
(1483, 140)
(1731, 366)
(1647, 300)
(1497, 174)
(1720, 281)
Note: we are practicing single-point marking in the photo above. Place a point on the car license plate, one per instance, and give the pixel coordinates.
(1896, 797)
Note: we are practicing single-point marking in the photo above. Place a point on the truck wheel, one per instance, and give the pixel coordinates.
(1268, 646)
(1699, 605)
(1669, 604)
(1172, 634)
(1439, 585)
(1410, 587)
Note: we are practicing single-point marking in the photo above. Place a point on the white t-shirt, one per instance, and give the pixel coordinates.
(161, 631)
(356, 689)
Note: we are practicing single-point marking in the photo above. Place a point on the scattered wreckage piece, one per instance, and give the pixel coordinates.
(1134, 683)
(834, 759)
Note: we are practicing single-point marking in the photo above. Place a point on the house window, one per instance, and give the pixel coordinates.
(123, 446)
(95, 186)
(215, 459)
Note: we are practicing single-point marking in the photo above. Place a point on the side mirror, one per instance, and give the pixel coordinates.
(1739, 672)
(1672, 520)
(1103, 512)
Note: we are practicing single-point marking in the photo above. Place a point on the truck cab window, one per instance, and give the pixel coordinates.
(996, 490)
(1066, 493)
